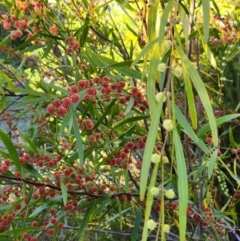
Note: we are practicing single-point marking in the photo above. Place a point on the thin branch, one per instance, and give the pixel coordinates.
(80, 193)
(11, 104)
(16, 79)
(133, 180)
(125, 234)
(189, 53)
(122, 46)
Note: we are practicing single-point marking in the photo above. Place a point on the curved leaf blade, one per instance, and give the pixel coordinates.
(223, 119)
(163, 22)
(202, 92)
(149, 148)
(189, 131)
(11, 150)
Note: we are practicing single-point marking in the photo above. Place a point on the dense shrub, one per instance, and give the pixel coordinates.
(119, 120)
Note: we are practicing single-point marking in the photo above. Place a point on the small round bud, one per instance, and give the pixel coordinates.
(170, 194)
(155, 158)
(162, 67)
(166, 228)
(154, 190)
(168, 124)
(151, 224)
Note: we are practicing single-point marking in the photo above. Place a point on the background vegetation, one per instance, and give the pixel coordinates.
(119, 120)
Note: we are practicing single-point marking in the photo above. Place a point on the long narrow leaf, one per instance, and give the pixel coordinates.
(152, 76)
(202, 92)
(64, 192)
(136, 226)
(152, 19)
(189, 131)
(84, 222)
(29, 169)
(144, 51)
(67, 123)
(182, 184)
(79, 139)
(149, 148)
(212, 163)
(117, 215)
(155, 56)
(210, 56)
(163, 22)
(149, 202)
(130, 120)
(11, 150)
(29, 141)
(28, 91)
(219, 121)
(206, 18)
(128, 72)
(106, 112)
(190, 100)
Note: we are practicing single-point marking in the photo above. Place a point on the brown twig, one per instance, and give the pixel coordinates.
(80, 193)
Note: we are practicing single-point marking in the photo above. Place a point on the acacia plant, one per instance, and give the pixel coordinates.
(117, 120)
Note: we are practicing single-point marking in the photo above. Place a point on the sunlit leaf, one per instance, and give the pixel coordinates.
(11, 150)
(190, 100)
(130, 120)
(202, 92)
(149, 148)
(64, 192)
(182, 184)
(189, 130)
(149, 201)
(206, 18)
(163, 22)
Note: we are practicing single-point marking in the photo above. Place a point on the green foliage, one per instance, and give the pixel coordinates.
(119, 120)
